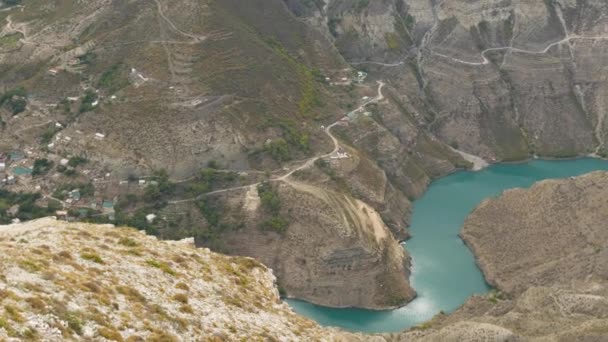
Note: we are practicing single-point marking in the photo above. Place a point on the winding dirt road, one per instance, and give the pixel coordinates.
(486, 61)
(306, 163)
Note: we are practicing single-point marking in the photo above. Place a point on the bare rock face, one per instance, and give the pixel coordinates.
(337, 251)
(544, 248)
(502, 79)
(538, 314)
(552, 234)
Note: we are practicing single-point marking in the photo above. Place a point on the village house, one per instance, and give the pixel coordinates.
(61, 214)
(16, 156)
(150, 218)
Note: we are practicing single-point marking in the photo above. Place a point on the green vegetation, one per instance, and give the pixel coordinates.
(159, 189)
(87, 102)
(77, 161)
(324, 166)
(26, 203)
(85, 189)
(74, 322)
(15, 100)
(278, 150)
(162, 266)
(409, 21)
(92, 257)
(495, 296)
(181, 297)
(131, 294)
(392, 40)
(293, 139)
(109, 334)
(88, 58)
(215, 213)
(114, 79)
(42, 167)
(10, 41)
(271, 203)
(48, 135)
(309, 96)
(361, 5)
(125, 241)
(332, 24)
(209, 179)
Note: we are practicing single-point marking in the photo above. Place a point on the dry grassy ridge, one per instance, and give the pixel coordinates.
(63, 281)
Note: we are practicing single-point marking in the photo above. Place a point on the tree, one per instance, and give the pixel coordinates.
(41, 167)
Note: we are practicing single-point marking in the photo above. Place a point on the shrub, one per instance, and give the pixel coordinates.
(181, 297)
(92, 257)
(269, 197)
(77, 161)
(276, 224)
(278, 150)
(110, 334)
(125, 241)
(131, 294)
(182, 286)
(87, 102)
(114, 79)
(15, 99)
(271, 203)
(42, 167)
(162, 266)
(14, 313)
(74, 322)
(186, 309)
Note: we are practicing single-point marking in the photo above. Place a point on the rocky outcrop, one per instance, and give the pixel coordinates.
(64, 281)
(336, 251)
(539, 314)
(551, 234)
(544, 248)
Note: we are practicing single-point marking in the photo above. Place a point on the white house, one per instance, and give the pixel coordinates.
(150, 218)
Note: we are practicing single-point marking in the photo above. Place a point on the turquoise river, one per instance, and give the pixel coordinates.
(444, 272)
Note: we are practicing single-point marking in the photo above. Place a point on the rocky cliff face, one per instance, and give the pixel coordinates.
(65, 281)
(544, 249)
(557, 225)
(346, 255)
(249, 85)
(502, 79)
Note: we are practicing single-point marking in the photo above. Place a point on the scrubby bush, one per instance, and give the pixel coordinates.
(15, 99)
(42, 167)
(271, 203)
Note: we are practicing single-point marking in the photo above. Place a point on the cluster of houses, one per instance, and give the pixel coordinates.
(12, 167)
(347, 79)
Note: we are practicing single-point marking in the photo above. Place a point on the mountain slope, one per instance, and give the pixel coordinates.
(185, 110)
(81, 281)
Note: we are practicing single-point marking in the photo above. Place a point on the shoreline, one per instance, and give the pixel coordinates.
(481, 266)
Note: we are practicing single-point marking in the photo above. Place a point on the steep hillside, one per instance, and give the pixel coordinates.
(568, 221)
(500, 79)
(221, 119)
(544, 249)
(65, 281)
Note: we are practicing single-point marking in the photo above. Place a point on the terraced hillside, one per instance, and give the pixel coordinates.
(221, 119)
(501, 79)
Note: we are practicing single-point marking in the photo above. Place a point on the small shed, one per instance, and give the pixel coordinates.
(108, 205)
